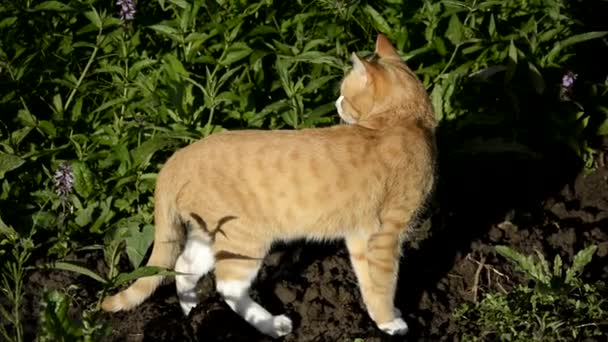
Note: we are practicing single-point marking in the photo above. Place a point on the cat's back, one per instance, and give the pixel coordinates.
(242, 145)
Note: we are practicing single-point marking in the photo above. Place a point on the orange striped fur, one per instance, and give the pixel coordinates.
(240, 191)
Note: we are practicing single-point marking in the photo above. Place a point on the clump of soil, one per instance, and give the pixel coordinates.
(448, 260)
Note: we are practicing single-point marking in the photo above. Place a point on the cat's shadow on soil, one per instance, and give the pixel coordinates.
(474, 192)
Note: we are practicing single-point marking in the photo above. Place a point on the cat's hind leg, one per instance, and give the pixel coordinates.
(235, 270)
(196, 260)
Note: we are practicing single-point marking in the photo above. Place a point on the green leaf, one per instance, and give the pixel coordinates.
(526, 264)
(437, 100)
(142, 154)
(175, 65)
(550, 57)
(549, 34)
(140, 65)
(183, 4)
(226, 76)
(7, 231)
(578, 38)
(26, 117)
(236, 52)
(512, 51)
(7, 22)
(455, 31)
(18, 135)
(235, 31)
(93, 16)
(48, 128)
(167, 31)
(317, 115)
(77, 267)
(52, 6)
(317, 83)
(314, 57)
(144, 271)
(9, 162)
(536, 78)
(138, 243)
(55, 322)
(603, 127)
(84, 216)
(313, 44)
(492, 26)
(581, 259)
(378, 21)
(58, 103)
(83, 179)
(77, 109)
(109, 104)
(557, 266)
(104, 218)
(197, 37)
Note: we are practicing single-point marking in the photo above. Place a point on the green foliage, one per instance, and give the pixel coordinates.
(56, 325)
(559, 307)
(12, 276)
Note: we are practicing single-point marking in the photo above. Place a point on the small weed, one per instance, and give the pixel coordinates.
(559, 306)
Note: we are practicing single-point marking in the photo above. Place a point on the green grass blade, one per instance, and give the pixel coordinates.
(73, 266)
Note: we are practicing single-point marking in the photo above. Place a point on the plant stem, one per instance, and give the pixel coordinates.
(448, 64)
(84, 72)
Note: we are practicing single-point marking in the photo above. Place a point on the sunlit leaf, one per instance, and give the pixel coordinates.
(455, 31)
(140, 272)
(93, 16)
(236, 52)
(84, 180)
(378, 21)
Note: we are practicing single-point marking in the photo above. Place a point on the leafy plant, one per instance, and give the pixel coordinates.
(13, 273)
(112, 248)
(559, 307)
(56, 324)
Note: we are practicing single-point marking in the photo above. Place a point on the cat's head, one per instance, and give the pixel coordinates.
(381, 89)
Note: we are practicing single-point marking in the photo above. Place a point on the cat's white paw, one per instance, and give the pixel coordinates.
(395, 327)
(281, 326)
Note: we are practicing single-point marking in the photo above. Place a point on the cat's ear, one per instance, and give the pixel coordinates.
(384, 48)
(360, 66)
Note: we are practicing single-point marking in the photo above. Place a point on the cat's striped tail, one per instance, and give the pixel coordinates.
(168, 238)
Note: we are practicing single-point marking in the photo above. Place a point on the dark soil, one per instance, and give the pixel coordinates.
(480, 202)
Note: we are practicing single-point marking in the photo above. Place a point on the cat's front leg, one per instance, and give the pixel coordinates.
(383, 252)
(375, 298)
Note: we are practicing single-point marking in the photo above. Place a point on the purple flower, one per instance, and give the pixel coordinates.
(568, 79)
(127, 9)
(64, 180)
(567, 84)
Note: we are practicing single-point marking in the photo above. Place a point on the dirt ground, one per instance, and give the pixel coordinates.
(480, 202)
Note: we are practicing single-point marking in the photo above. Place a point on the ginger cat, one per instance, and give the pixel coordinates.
(238, 192)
